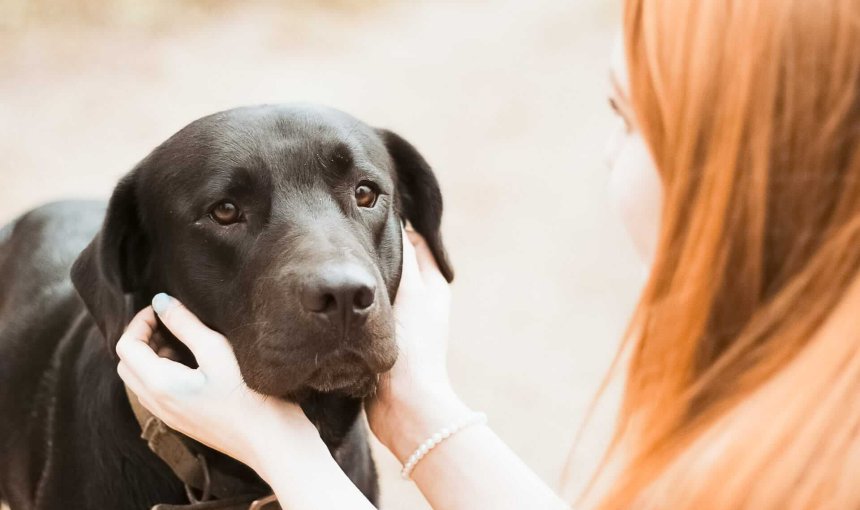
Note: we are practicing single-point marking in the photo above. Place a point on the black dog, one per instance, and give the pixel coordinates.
(278, 226)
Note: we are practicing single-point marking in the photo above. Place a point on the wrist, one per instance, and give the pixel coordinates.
(417, 416)
(285, 441)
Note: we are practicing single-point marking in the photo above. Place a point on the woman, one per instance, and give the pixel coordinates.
(738, 170)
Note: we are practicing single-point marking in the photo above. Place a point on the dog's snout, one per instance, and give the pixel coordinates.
(341, 293)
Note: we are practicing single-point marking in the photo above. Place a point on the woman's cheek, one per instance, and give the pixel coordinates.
(615, 143)
(636, 192)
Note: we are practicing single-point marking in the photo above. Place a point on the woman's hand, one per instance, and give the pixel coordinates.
(415, 398)
(211, 403)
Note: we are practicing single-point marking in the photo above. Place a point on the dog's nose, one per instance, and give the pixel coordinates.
(341, 293)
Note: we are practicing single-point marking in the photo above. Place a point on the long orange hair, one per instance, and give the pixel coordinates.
(743, 389)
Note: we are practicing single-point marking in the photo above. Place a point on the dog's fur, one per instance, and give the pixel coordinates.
(73, 273)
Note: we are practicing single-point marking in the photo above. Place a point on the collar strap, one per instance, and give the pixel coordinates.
(230, 492)
(240, 503)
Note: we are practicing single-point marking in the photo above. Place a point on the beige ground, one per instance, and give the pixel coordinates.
(505, 98)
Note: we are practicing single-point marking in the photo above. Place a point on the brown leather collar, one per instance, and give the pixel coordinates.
(206, 489)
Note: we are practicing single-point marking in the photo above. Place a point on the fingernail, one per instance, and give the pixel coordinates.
(161, 303)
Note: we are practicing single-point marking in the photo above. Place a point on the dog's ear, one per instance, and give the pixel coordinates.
(112, 265)
(419, 198)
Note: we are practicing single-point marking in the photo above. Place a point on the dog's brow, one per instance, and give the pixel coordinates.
(337, 157)
(235, 178)
(229, 183)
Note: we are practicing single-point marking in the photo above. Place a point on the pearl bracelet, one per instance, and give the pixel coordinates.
(438, 437)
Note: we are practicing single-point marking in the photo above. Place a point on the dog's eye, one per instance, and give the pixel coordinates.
(365, 195)
(226, 213)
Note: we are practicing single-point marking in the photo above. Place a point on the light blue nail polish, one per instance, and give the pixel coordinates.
(161, 303)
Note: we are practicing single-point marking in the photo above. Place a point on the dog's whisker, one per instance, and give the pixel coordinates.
(245, 325)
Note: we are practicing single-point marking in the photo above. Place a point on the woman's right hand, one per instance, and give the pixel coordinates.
(415, 398)
(203, 402)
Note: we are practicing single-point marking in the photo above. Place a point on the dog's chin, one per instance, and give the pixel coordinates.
(349, 381)
(344, 372)
(343, 377)
(354, 387)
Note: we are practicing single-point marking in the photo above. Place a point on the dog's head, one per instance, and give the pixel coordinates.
(279, 226)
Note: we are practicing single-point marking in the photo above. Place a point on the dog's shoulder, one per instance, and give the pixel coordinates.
(38, 248)
(60, 226)
(37, 301)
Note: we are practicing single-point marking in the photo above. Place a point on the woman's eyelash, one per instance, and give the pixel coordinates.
(617, 109)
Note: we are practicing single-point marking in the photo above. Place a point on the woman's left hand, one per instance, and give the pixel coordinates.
(211, 403)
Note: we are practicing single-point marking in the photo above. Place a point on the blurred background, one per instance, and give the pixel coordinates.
(505, 98)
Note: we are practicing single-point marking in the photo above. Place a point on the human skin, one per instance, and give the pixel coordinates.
(471, 469)
(635, 189)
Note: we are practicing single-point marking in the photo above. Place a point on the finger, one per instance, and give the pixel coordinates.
(422, 251)
(143, 325)
(134, 385)
(131, 381)
(208, 346)
(144, 366)
(411, 274)
(165, 393)
(426, 261)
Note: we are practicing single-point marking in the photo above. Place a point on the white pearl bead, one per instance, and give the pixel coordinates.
(435, 439)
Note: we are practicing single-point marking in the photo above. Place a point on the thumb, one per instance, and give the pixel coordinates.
(209, 347)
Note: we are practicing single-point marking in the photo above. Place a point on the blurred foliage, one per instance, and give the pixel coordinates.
(21, 14)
